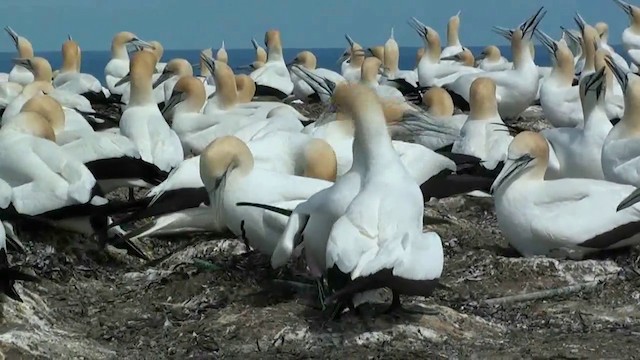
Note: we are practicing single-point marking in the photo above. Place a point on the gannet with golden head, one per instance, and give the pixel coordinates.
(142, 121)
(516, 88)
(631, 35)
(490, 59)
(453, 38)
(301, 89)
(273, 78)
(118, 67)
(559, 218)
(352, 59)
(404, 80)
(19, 74)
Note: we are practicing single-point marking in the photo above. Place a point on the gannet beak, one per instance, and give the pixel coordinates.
(547, 41)
(618, 72)
(175, 99)
(195, 66)
(455, 57)
(504, 32)
(624, 6)
(141, 43)
(208, 62)
(513, 167)
(124, 80)
(630, 200)
(533, 23)
(13, 34)
(162, 78)
(26, 63)
(255, 44)
(349, 40)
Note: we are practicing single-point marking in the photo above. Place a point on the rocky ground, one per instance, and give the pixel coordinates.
(206, 297)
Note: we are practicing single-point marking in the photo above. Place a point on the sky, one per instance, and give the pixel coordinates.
(197, 24)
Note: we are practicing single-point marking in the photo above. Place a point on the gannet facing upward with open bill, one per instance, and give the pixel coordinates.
(70, 78)
(118, 67)
(559, 98)
(631, 35)
(19, 74)
(579, 150)
(228, 171)
(559, 218)
(158, 50)
(142, 121)
(273, 78)
(490, 59)
(517, 88)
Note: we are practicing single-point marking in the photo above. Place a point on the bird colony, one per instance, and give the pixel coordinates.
(344, 193)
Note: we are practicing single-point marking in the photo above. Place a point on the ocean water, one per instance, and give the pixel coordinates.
(93, 62)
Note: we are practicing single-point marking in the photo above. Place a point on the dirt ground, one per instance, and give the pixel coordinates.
(206, 297)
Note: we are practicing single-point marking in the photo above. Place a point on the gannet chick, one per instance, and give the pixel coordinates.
(578, 151)
(560, 100)
(517, 88)
(142, 121)
(273, 78)
(228, 172)
(533, 212)
(484, 134)
(19, 74)
(490, 59)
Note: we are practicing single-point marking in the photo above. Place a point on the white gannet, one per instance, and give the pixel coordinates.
(173, 71)
(405, 80)
(558, 218)
(631, 35)
(573, 39)
(490, 59)
(302, 90)
(579, 150)
(260, 59)
(603, 42)
(559, 98)
(352, 60)
(71, 80)
(118, 67)
(464, 58)
(228, 172)
(376, 177)
(142, 121)
(432, 72)
(440, 106)
(273, 78)
(19, 74)
(484, 134)
(453, 37)
(517, 88)
(371, 68)
(620, 151)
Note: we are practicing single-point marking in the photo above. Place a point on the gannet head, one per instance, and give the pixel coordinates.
(464, 57)
(33, 124)
(306, 59)
(482, 100)
(371, 68)
(377, 51)
(70, 56)
(633, 12)
(37, 88)
(246, 88)
(226, 89)
(189, 92)
(528, 155)
(261, 54)
(320, 160)
(175, 67)
(221, 54)
(603, 31)
(40, 67)
(438, 102)
(22, 44)
(124, 38)
(223, 156)
(453, 27)
(272, 40)
(491, 53)
(48, 108)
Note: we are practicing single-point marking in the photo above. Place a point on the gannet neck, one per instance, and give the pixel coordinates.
(41, 69)
(157, 49)
(370, 70)
(600, 63)
(391, 56)
(320, 160)
(438, 102)
(274, 46)
(204, 70)
(225, 157)
(589, 41)
(222, 55)
(419, 54)
(37, 88)
(522, 54)
(564, 68)
(533, 145)
(48, 108)
(246, 88)
(356, 59)
(453, 27)
(119, 45)
(33, 124)
(592, 95)
(70, 55)
(482, 101)
(25, 49)
(434, 49)
(603, 31)
(631, 117)
(307, 59)
(194, 94)
(226, 89)
(141, 69)
(261, 54)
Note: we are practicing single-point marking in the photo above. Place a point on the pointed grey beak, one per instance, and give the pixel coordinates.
(255, 44)
(162, 78)
(626, 7)
(140, 43)
(512, 168)
(26, 63)
(124, 80)
(455, 57)
(175, 99)
(630, 200)
(13, 34)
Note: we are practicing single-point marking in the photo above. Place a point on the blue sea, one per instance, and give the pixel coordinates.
(93, 62)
